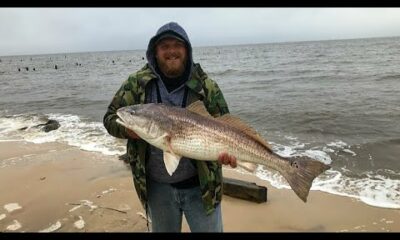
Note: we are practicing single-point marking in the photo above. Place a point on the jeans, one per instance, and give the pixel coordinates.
(166, 205)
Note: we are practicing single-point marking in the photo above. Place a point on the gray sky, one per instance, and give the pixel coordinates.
(60, 30)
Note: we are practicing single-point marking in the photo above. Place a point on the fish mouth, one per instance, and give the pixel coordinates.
(120, 119)
(121, 122)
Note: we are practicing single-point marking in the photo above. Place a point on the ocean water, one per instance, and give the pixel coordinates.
(337, 101)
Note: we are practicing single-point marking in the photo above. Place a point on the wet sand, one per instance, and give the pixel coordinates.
(55, 187)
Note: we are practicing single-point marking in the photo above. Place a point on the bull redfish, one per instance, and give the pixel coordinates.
(193, 133)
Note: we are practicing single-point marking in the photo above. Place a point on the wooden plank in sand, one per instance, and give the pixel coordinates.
(244, 190)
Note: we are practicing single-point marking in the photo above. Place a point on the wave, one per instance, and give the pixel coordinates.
(388, 78)
(240, 73)
(74, 131)
(374, 190)
(224, 72)
(379, 188)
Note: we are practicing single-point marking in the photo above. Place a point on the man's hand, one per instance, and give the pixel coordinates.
(225, 158)
(132, 134)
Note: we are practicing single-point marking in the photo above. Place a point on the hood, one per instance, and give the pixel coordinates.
(171, 28)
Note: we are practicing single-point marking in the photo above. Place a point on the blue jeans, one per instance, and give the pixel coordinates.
(166, 205)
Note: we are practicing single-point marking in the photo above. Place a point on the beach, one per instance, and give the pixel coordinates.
(54, 187)
(332, 101)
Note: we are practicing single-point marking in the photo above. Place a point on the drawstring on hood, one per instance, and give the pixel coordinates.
(171, 28)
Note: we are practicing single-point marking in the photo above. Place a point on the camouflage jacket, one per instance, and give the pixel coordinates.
(200, 87)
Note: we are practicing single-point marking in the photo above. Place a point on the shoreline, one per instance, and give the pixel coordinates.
(58, 187)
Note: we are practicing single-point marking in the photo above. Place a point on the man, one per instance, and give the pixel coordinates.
(195, 188)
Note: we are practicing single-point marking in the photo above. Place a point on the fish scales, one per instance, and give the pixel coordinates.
(204, 139)
(193, 133)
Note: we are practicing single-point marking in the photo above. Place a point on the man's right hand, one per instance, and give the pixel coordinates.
(132, 134)
(225, 158)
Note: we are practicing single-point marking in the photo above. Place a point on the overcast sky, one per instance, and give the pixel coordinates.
(62, 30)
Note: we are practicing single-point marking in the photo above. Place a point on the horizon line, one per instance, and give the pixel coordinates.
(203, 46)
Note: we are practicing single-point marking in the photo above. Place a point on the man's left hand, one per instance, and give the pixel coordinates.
(226, 159)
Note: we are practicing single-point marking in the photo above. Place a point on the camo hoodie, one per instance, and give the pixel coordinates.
(133, 91)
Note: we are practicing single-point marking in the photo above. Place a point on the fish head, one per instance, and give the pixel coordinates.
(143, 119)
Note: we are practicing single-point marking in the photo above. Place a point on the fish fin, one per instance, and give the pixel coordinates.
(171, 161)
(239, 124)
(301, 173)
(199, 108)
(251, 167)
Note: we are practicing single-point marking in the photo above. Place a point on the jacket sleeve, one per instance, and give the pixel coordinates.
(216, 104)
(122, 98)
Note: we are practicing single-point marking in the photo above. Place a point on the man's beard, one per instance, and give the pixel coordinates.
(172, 70)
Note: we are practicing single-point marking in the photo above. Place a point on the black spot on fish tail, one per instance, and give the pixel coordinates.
(301, 173)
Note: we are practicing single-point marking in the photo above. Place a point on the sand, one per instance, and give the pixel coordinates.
(54, 187)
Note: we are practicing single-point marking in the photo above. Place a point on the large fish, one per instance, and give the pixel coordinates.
(192, 132)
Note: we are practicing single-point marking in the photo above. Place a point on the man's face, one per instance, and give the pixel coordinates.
(171, 57)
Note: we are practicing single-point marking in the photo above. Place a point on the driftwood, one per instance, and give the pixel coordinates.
(50, 125)
(244, 190)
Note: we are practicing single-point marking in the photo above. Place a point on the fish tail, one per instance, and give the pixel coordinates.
(302, 171)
